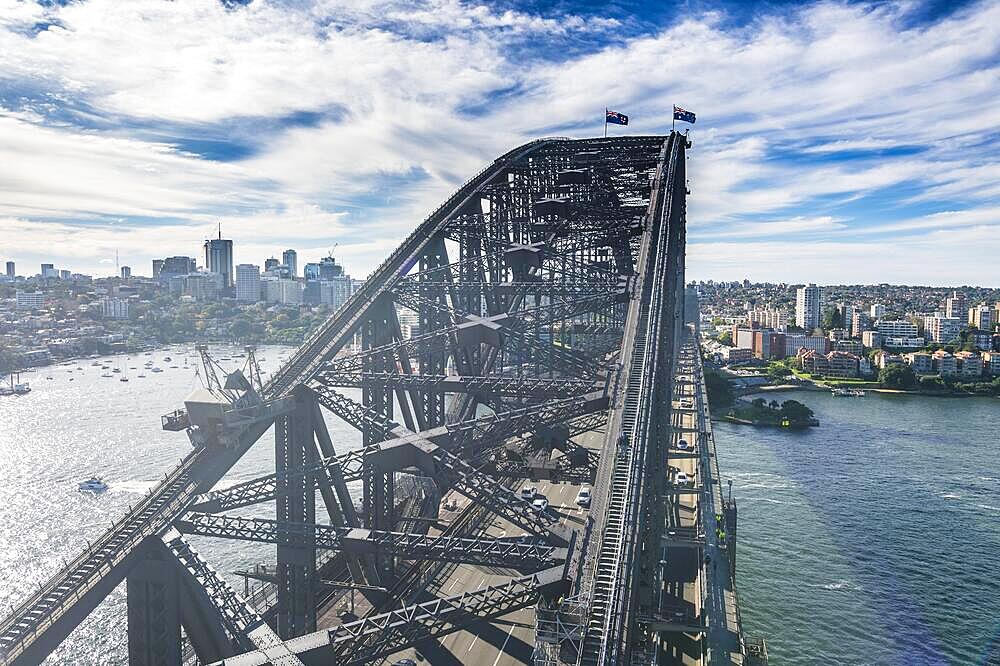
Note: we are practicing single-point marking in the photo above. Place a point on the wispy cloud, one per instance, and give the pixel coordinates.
(831, 120)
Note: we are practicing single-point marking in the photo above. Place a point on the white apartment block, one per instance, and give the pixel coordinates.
(808, 304)
(114, 308)
(897, 328)
(942, 329)
(29, 300)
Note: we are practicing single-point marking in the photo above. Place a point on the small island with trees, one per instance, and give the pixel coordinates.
(760, 412)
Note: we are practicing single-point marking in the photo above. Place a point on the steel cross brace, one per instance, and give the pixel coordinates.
(381, 635)
(519, 553)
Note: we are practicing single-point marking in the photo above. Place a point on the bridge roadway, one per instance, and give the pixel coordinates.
(508, 640)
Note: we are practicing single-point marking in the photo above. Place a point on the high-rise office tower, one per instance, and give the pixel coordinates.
(49, 271)
(157, 268)
(807, 306)
(329, 269)
(248, 283)
(178, 266)
(10, 270)
(126, 272)
(270, 264)
(290, 258)
(219, 258)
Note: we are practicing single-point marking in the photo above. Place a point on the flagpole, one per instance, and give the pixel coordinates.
(605, 122)
(673, 119)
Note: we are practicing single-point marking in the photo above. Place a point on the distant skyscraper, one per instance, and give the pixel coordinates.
(270, 264)
(329, 269)
(157, 267)
(178, 266)
(311, 271)
(807, 306)
(126, 272)
(10, 269)
(877, 310)
(290, 259)
(955, 306)
(219, 258)
(49, 271)
(248, 283)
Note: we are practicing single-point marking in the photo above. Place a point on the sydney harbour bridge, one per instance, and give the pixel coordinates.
(555, 352)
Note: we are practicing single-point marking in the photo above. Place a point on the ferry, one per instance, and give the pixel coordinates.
(847, 393)
(15, 389)
(92, 485)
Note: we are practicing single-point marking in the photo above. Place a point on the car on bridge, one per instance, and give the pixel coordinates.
(682, 445)
(528, 493)
(682, 479)
(541, 505)
(583, 497)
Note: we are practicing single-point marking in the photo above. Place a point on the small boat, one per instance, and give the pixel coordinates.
(157, 370)
(847, 393)
(92, 485)
(106, 374)
(166, 359)
(140, 375)
(116, 371)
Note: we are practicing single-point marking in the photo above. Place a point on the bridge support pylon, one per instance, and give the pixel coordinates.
(296, 503)
(154, 613)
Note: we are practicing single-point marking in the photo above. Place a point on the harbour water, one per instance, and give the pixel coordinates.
(66, 431)
(875, 538)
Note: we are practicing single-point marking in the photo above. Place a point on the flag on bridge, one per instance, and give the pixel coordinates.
(682, 115)
(615, 118)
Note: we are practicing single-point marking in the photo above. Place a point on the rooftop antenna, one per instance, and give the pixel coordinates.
(220, 230)
(117, 269)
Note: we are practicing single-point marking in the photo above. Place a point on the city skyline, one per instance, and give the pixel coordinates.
(809, 160)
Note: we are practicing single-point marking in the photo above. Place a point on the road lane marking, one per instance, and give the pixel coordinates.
(503, 647)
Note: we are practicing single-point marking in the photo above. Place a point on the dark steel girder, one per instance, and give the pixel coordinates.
(522, 554)
(381, 635)
(528, 387)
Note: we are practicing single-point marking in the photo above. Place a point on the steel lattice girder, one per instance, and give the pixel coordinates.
(243, 624)
(620, 167)
(498, 385)
(531, 554)
(481, 432)
(379, 636)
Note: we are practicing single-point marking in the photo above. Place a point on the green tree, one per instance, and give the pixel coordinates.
(726, 338)
(897, 377)
(796, 411)
(832, 318)
(10, 361)
(720, 393)
(240, 328)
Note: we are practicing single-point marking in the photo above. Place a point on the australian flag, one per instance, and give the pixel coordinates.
(615, 118)
(685, 116)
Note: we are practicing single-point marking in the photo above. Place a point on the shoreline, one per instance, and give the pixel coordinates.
(807, 385)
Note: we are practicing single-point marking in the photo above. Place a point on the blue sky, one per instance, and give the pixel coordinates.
(835, 142)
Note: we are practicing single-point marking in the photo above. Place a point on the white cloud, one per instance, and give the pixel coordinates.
(392, 78)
